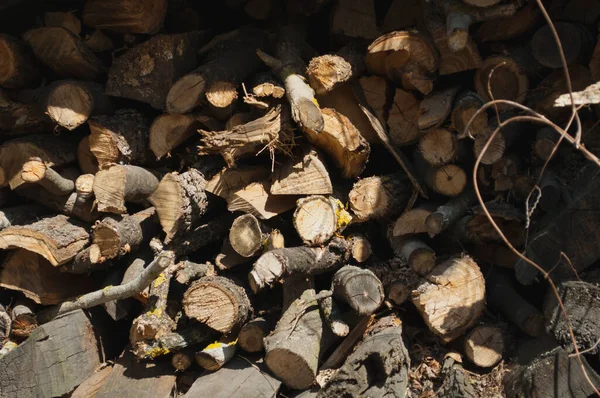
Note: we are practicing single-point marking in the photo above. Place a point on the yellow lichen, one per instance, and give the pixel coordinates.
(160, 280)
(343, 216)
(157, 352)
(316, 102)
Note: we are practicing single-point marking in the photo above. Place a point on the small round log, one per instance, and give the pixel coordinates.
(438, 147)
(316, 219)
(484, 346)
(358, 287)
(379, 197)
(246, 236)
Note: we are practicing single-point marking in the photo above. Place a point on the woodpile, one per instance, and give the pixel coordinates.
(311, 198)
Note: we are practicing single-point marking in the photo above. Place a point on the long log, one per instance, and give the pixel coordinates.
(128, 16)
(120, 184)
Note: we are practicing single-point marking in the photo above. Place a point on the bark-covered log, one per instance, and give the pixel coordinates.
(119, 138)
(466, 104)
(452, 297)
(218, 302)
(210, 233)
(457, 382)
(413, 221)
(278, 263)
(120, 184)
(436, 107)
(317, 218)
(129, 16)
(484, 345)
(35, 171)
(577, 43)
(167, 132)
(508, 81)
(189, 271)
(146, 72)
(379, 197)
(18, 68)
(215, 355)
(20, 215)
(381, 356)
(86, 261)
(414, 252)
(56, 358)
(250, 338)
(438, 147)
(332, 315)
(5, 323)
(20, 118)
(358, 287)
(64, 53)
(72, 205)
(398, 280)
(232, 61)
(449, 213)
(193, 335)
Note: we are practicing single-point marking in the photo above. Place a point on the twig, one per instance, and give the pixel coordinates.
(109, 293)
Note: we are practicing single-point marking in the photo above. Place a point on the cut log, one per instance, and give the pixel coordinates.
(115, 238)
(190, 271)
(379, 197)
(130, 378)
(306, 176)
(213, 232)
(553, 374)
(35, 171)
(23, 318)
(510, 27)
(413, 221)
(317, 218)
(230, 180)
(84, 186)
(358, 287)
(333, 316)
(438, 147)
(447, 214)
(290, 68)
(403, 118)
(503, 297)
(120, 138)
(504, 77)
(361, 248)
(182, 360)
(447, 180)
(435, 108)
(575, 40)
(416, 253)
(64, 53)
(180, 202)
(215, 355)
(326, 72)
(90, 387)
(193, 335)
(381, 356)
(580, 302)
(21, 119)
(56, 358)
(119, 184)
(484, 346)
(354, 19)
(398, 280)
(235, 60)
(67, 20)
(218, 302)
(239, 378)
(452, 298)
(278, 263)
(14, 153)
(146, 72)
(343, 142)
(250, 338)
(18, 68)
(229, 258)
(128, 16)
(58, 238)
(293, 349)
(5, 323)
(71, 205)
(167, 132)
(21, 215)
(246, 236)
(465, 106)
(33, 275)
(255, 199)
(86, 159)
(406, 58)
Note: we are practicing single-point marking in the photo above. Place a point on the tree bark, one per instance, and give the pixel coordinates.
(20, 215)
(398, 280)
(447, 214)
(119, 184)
(358, 287)
(207, 234)
(457, 382)
(190, 271)
(20, 70)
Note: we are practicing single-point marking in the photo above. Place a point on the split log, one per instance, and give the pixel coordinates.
(306, 176)
(176, 341)
(576, 44)
(5, 323)
(218, 302)
(580, 302)
(436, 107)
(255, 199)
(439, 147)
(190, 271)
(215, 355)
(508, 81)
(358, 287)
(457, 382)
(406, 58)
(510, 27)
(317, 218)
(18, 67)
(120, 138)
(116, 238)
(180, 202)
(130, 378)
(246, 236)
(57, 357)
(415, 253)
(230, 180)
(232, 63)
(212, 232)
(146, 72)
(14, 153)
(293, 349)
(503, 297)
(239, 378)
(554, 374)
(380, 355)
(90, 387)
(279, 263)
(326, 72)
(35, 171)
(64, 53)
(465, 106)
(250, 338)
(354, 19)
(484, 346)
(342, 141)
(290, 68)
(21, 215)
(72, 205)
(398, 280)
(67, 20)
(23, 318)
(413, 221)
(167, 132)
(452, 298)
(449, 213)
(119, 184)
(21, 119)
(379, 197)
(86, 159)
(58, 239)
(128, 16)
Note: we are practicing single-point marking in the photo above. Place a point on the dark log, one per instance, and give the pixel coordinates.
(182, 360)
(510, 27)
(449, 213)
(575, 39)
(20, 215)
(508, 81)
(167, 132)
(72, 205)
(5, 323)
(398, 280)
(20, 118)
(457, 381)
(250, 338)
(214, 231)
(435, 108)
(358, 287)
(246, 236)
(466, 104)
(129, 16)
(189, 271)
(19, 69)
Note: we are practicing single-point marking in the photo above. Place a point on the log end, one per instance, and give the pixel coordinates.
(290, 368)
(185, 94)
(484, 346)
(69, 105)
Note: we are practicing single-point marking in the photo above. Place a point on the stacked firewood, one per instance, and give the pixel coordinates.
(184, 189)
